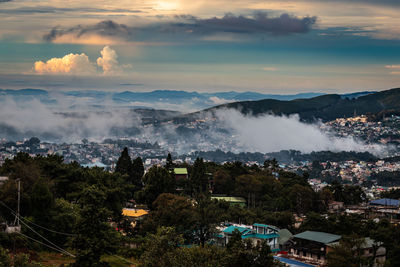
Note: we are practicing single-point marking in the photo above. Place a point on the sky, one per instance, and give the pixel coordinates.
(268, 46)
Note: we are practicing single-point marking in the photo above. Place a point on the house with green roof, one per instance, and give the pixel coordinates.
(312, 246)
(181, 173)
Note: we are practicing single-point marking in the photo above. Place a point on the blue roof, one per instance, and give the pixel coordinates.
(385, 202)
(260, 236)
(230, 229)
(261, 225)
(265, 225)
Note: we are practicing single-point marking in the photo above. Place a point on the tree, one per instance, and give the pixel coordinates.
(301, 198)
(173, 211)
(41, 201)
(159, 247)
(244, 253)
(137, 173)
(33, 141)
(94, 235)
(169, 165)
(124, 163)
(223, 183)
(198, 177)
(157, 181)
(206, 218)
(348, 253)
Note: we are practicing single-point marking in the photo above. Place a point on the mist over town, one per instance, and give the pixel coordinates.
(208, 133)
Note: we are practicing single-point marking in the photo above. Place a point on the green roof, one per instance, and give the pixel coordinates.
(284, 236)
(180, 171)
(230, 199)
(320, 237)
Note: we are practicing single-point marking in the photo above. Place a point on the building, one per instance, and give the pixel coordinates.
(181, 173)
(256, 233)
(285, 240)
(388, 202)
(134, 215)
(231, 200)
(312, 246)
(335, 206)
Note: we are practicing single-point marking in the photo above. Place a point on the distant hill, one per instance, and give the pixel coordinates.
(197, 100)
(325, 107)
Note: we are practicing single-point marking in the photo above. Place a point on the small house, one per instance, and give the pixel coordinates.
(256, 233)
(312, 246)
(181, 173)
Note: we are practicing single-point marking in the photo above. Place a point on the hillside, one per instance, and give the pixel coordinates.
(325, 107)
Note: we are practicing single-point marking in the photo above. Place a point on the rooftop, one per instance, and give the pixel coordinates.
(180, 171)
(230, 199)
(242, 230)
(385, 202)
(134, 212)
(320, 237)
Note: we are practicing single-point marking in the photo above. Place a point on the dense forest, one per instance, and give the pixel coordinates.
(77, 211)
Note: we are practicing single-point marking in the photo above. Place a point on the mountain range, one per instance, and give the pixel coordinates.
(325, 107)
(159, 99)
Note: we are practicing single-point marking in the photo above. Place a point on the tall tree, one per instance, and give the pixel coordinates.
(244, 253)
(137, 173)
(124, 163)
(41, 201)
(169, 165)
(159, 247)
(206, 218)
(198, 177)
(94, 234)
(349, 252)
(157, 180)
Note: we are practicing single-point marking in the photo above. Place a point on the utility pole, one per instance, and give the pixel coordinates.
(16, 221)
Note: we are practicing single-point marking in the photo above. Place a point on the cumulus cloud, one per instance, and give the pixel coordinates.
(79, 64)
(109, 61)
(69, 64)
(189, 26)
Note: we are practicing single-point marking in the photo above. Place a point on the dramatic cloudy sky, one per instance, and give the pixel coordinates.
(270, 46)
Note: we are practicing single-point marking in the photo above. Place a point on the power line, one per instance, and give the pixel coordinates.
(12, 211)
(53, 231)
(44, 244)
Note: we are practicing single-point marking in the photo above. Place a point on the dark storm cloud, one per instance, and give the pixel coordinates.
(259, 23)
(103, 28)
